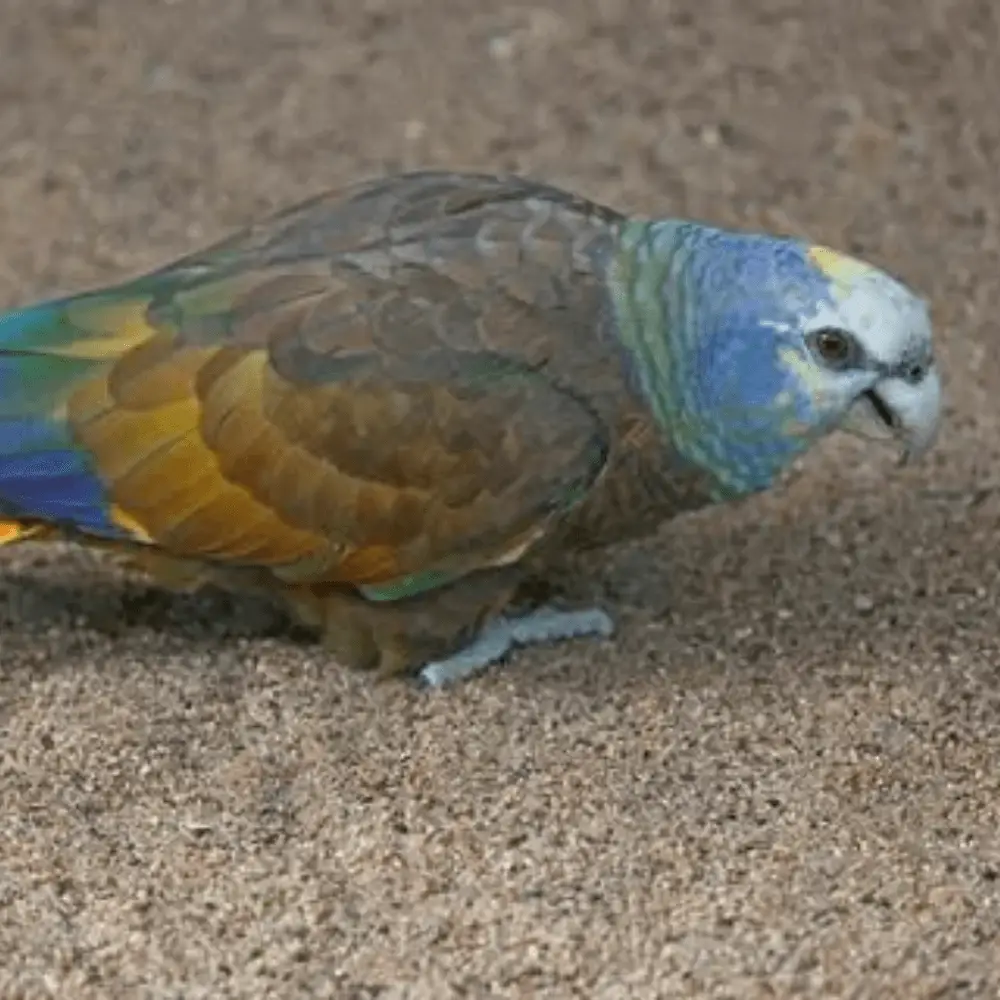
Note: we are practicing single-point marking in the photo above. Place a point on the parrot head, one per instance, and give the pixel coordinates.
(752, 347)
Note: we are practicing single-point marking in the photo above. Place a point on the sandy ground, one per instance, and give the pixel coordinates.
(779, 780)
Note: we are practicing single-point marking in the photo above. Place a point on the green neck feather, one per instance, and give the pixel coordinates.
(667, 280)
(648, 257)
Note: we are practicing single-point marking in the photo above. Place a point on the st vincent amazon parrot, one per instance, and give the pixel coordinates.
(393, 404)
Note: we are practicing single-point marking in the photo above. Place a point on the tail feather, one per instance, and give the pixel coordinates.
(47, 351)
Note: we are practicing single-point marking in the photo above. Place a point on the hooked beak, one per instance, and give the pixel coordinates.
(896, 410)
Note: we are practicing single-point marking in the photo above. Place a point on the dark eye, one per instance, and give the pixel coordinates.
(837, 348)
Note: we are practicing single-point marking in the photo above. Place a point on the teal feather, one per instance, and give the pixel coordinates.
(44, 474)
(408, 586)
(699, 311)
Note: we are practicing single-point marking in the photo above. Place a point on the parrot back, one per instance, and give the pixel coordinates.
(390, 383)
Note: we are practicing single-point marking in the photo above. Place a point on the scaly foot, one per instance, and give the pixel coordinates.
(501, 634)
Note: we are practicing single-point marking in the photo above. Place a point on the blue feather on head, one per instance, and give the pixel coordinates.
(726, 332)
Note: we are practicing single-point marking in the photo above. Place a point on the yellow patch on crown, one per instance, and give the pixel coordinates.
(841, 269)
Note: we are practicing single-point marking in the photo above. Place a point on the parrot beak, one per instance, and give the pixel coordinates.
(897, 410)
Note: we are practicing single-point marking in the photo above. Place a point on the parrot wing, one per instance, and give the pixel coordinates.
(307, 399)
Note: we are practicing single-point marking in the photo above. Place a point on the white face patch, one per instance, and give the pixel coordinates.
(889, 321)
(893, 326)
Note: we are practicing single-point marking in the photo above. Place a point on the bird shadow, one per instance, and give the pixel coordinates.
(718, 571)
(105, 607)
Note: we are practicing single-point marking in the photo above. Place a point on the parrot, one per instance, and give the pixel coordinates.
(392, 406)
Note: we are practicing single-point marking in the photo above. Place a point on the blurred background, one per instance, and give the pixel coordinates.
(779, 780)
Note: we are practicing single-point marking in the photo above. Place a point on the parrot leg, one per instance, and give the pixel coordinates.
(392, 638)
(503, 633)
(443, 635)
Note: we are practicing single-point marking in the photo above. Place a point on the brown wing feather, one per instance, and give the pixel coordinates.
(356, 390)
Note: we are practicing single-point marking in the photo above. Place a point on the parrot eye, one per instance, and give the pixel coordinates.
(836, 348)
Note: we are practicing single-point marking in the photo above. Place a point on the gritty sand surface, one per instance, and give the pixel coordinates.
(781, 777)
